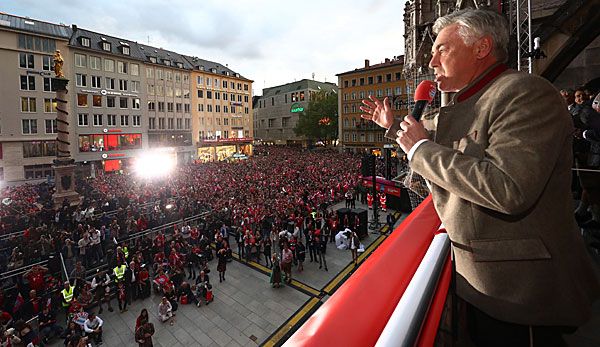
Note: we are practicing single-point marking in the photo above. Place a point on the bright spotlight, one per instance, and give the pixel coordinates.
(156, 163)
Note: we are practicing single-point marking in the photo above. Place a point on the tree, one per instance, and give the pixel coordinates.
(320, 120)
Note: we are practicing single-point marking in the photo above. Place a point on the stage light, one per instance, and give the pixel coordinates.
(155, 163)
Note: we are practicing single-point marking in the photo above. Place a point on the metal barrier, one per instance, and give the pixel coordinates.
(404, 325)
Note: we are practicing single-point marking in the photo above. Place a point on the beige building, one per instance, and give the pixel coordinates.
(381, 80)
(27, 110)
(221, 111)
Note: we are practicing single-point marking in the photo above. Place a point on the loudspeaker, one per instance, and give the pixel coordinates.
(367, 165)
(54, 264)
(363, 217)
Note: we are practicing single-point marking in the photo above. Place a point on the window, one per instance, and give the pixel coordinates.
(82, 119)
(29, 126)
(169, 91)
(82, 100)
(85, 42)
(179, 123)
(186, 108)
(170, 123)
(136, 104)
(80, 60)
(370, 79)
(123, 102)
(109, 65)
(135, 69)
(28, 105)
(36, 43)
(123, 85)
(188, 124)
(161, 106)
(167, 62)
(209, 108)
(95, 63)
(47, 84)
(80, 80)
(124, 120)
(361, 94)
(217, 95)
(217, 108)
(109, 142)
(225, 110)
(125, 50)
(208, 94)
(178, 108)
(150, 89)
(33, 172)
(362, 81)
(379, 93)
(177, 77)
(153, 60)
(51, 126)
(111, 120)
(135, 86)
(345, 84)
(200, 93)
(398, 76)
(151, 106)
(137, 119)
(169, 107)
(169, 75)
(225, 84)
(97, 100)
(200, 80)
(398, 90)
(121, 67)
(110, 83)
(245, 87)
(225, 121)
(149, 73)
(388, 77)
(110, 101)
(97, 120)
(161, 123)
(152, 123)
(26, 61)
(225, 96)
(106, 46)
(201, 107)
(27, 82)
(159, 74)
(245, 98)
(96, 82)
(47, 63)
(49, 105)
(160, 90)
(177, 92)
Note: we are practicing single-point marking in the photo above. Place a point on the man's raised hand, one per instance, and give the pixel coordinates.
(378, 111)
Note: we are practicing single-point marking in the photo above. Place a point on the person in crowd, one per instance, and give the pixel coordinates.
(320, 245)
(266, 247)
(202, 284)
(143, 335)
(101, 289)
(300, 254)
(286, 262)
(499, 171)
(275, 278)
(222, 264)
(353, 244)
(121, 296)
(93, 328)
(72, 333)
(165, 311)
(142, 319)
(48, 326)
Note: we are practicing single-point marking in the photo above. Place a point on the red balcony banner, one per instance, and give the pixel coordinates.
(358, 312)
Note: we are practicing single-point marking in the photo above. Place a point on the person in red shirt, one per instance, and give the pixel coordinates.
(35, 277)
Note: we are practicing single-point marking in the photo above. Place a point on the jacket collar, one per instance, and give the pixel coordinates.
(489, 75)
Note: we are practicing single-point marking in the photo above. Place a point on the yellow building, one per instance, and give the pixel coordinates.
(222, 124)
(380, 80)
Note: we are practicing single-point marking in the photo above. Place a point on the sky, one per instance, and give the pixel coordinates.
(271, 42)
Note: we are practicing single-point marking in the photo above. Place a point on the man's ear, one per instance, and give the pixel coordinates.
(483, 47)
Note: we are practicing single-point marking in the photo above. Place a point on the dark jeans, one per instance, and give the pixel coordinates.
(487, 331)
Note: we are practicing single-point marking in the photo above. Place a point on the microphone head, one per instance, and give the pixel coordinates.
(425, 91)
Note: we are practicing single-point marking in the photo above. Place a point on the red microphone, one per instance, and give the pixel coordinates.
(423, 95)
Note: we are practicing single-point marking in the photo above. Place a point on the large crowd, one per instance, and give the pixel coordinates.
(273, 206)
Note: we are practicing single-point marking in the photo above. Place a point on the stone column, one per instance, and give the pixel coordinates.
(64, 173)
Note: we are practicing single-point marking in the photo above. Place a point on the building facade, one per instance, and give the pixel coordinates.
(381, 80)
(280, 108)
(125, 98)
(108, 121)
(27, 111)
(222, 111)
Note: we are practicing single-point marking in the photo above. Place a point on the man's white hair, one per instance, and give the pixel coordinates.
(476, 23)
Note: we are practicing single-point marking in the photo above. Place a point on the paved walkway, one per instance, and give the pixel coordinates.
(246, 310)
